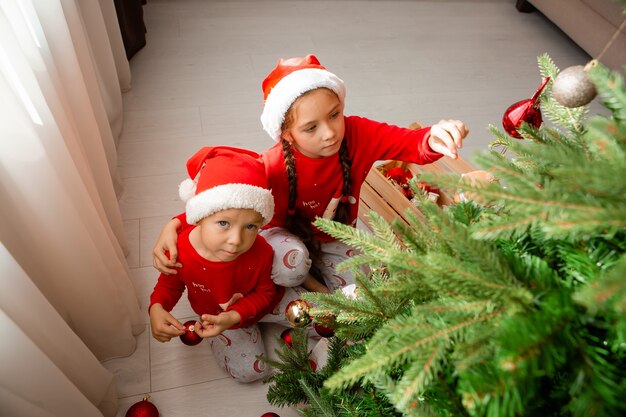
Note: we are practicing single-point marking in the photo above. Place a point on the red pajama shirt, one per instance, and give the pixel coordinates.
(243, 284)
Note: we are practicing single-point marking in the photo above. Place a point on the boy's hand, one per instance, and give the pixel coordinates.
(446, 137)
(166, 243)
(214, 325)
(164, 326)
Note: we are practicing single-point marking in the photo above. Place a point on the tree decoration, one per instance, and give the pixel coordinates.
(286, 337)
(401, 177)
(572, 87)
(143, 408)
(270, 414)
(298, 313)
(324, 331)
(524, 111)
(190, 337)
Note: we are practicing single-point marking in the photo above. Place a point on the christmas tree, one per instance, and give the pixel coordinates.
(512, 304)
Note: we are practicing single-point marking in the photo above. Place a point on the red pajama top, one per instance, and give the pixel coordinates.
(243, 284)
(320, 179)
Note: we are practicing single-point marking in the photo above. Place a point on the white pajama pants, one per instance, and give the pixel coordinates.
(292, 263)
(236, 350)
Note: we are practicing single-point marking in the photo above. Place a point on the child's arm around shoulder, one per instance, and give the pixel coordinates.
(167, 244)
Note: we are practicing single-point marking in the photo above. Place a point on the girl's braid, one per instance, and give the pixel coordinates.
(343, 208)
(292, 176)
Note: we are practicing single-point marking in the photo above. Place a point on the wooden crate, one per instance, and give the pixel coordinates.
(380, 195)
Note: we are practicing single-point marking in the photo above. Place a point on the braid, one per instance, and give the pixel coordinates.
(297, 222)
(343, 209)
(292, 176)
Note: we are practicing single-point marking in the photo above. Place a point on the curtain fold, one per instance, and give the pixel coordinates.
(66, 297)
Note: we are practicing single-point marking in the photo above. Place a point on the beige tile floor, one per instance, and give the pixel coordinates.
(197, 82)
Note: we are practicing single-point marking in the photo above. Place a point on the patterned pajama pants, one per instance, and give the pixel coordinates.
(292, 263)
(236, 351)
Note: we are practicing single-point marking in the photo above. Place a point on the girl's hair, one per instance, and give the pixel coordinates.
(297, 222)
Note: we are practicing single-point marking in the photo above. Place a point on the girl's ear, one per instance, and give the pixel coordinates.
(287, 137)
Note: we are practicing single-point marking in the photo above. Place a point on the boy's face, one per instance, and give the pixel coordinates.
(318, 126)
(228, 233)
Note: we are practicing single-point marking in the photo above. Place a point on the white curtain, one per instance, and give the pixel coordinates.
(66, 299)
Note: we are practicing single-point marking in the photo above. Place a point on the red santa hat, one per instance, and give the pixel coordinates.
(289, 80)
(223, 178)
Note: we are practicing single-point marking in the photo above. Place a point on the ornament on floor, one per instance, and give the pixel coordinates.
(286, 337)
(524, 111)
(270, 414)
(190, 337)
(572, 87)
(298, 312)
(143, 408)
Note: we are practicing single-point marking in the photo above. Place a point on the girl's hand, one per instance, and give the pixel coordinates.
(446, 137)
(164, 326)
(213, 325)
(166, 243)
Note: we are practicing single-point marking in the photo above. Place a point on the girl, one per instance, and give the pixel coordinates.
(317, 168)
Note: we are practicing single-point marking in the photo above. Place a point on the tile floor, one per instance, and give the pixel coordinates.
(198, 82)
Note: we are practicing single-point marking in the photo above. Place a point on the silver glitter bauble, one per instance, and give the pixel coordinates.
(572, 87)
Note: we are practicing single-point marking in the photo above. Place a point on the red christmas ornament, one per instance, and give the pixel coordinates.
(270, 415)
(401, 177)
(313, 365)
(286, 336)
(190, 337)
(324, 331)
(143, 408)
(523, 111)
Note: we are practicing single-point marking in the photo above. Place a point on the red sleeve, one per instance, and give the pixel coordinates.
(167, 291)
(182, 218)
(264, 294)
(382, 141)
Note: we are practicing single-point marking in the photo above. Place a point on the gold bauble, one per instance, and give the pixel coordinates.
(298, 312)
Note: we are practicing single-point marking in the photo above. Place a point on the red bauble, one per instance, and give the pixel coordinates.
(190, 337)
(286, 336)
(523, 111)
(270, 414)
(143, 408)
(313, 365)
(323, 331)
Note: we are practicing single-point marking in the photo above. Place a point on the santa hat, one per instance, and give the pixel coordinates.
(289, 80)
(224, 178)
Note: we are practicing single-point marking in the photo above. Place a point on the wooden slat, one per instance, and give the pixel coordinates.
(378, 193)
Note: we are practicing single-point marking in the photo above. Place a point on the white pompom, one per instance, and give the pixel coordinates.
(187, 189)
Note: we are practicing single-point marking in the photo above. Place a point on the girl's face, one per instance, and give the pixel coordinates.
(314, 124)
(228, 233)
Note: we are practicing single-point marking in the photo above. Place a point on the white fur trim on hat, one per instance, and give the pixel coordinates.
(229, 196)
(187, 189)
(292, 86)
